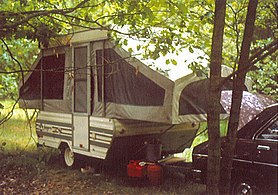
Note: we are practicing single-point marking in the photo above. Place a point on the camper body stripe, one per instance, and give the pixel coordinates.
(99, 130)
(54, 135)
(55, 123)
(100, 144)
(54, 131)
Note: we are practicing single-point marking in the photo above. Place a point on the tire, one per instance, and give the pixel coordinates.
(245, 186)
(68, 157)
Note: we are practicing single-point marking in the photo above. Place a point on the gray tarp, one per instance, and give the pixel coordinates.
(251, 105)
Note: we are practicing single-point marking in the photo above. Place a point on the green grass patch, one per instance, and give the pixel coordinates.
(16, 134)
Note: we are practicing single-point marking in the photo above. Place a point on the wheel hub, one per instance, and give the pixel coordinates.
(69, 157)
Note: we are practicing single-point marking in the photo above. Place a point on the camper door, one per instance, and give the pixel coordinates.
(81, 97)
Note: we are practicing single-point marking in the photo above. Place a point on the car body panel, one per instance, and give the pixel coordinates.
(255, 154)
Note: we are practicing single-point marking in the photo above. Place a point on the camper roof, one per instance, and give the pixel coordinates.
(78, 37)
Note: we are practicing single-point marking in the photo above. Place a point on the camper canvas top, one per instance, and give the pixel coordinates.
(90, 74)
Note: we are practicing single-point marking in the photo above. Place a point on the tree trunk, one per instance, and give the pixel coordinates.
(238, 86)
(213, 168)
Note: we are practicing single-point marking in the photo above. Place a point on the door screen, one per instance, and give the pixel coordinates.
(80, 79)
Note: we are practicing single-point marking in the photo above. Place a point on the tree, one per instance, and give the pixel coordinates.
(238, 87)
(214, 99)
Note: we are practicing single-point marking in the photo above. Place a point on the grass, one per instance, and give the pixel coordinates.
(16, 134)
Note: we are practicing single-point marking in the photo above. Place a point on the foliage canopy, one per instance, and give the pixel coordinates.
(164, 25)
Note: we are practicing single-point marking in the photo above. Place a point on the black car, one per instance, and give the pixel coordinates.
(255, 165)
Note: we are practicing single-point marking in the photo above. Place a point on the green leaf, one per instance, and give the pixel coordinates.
(174, 61)
(125, 42)
(130, 50)
(182, 7)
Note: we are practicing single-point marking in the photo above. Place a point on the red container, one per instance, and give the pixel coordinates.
(155, 174)
(136, 170)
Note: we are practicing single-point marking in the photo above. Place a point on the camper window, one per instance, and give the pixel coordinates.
(123, 84)
(53, 79)
(53, 76)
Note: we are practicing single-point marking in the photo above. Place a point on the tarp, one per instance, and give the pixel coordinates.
(251, 105)
(90, 73)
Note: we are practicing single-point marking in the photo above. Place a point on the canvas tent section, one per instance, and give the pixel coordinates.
(88, 73)
(190, 102)
(127, 88)
(44, 87)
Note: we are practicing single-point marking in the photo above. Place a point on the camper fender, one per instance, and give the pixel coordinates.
(64, 144)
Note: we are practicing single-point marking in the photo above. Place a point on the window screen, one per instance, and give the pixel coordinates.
(53, 79)
(80, 79)
(53, 76)
(124, 84)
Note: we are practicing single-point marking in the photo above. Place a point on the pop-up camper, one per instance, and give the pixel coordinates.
(95, 99)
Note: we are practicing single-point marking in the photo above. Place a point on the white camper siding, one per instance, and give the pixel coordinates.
(54, 129)
(101, 134)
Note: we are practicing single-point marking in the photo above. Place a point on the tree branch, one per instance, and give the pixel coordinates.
(268, 53)
(11, 55)
(102, 26)
(9, 115)
(262, 50)
(271, 48)
(42, 13)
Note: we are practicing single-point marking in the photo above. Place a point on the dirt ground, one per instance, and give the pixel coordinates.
(25, 174)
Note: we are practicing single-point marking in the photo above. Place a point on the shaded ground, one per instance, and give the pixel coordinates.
(25, 174)
(33, 172)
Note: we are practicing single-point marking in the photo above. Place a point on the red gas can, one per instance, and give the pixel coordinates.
(134, 169)
(155, 174)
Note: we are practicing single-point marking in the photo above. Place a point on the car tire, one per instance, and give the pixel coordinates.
(244, 186)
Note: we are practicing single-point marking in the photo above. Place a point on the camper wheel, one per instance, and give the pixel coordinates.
(68, 156)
